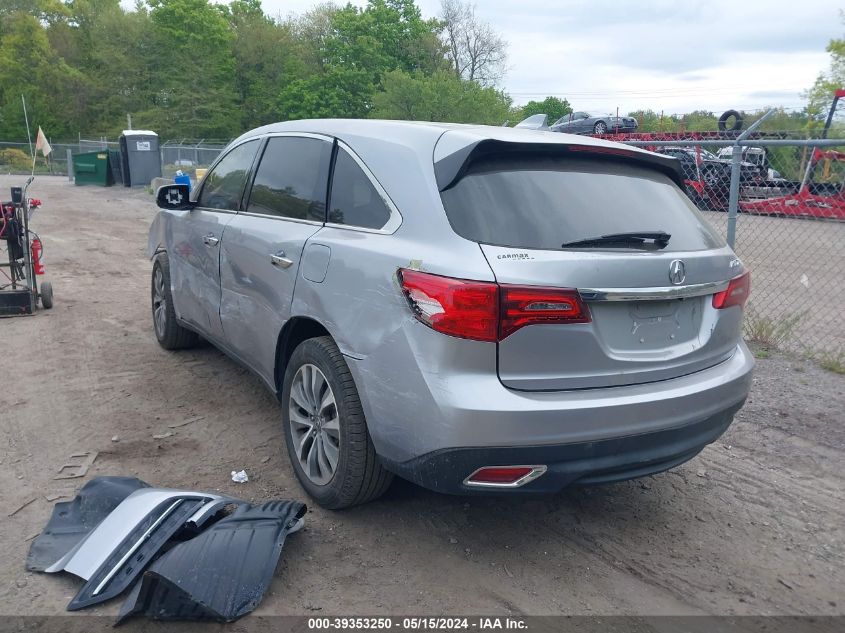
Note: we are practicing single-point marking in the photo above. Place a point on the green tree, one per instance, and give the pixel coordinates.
(337, 92)
(439, 97)
(553, 106)
(193, 76)
(820, 96)
(30, 66)
(385, 35)
(45, 11)
(352, 51)
(112, 49)
(266, 55)
(651, 121)
(699, 121)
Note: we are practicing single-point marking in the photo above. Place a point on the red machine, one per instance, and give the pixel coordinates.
(821, 201)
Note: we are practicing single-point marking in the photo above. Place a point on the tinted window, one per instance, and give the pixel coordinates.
(540, 202)
(355, 201)
(292, 179)
(225, 184)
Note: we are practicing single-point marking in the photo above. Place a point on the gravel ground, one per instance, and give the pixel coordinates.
(754, 525)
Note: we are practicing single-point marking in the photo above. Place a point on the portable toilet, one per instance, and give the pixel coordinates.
(141, 160)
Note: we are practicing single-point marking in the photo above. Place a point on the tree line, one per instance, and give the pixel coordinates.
(191, 68)
(195, 69)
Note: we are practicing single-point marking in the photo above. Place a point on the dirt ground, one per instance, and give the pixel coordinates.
(754, 525)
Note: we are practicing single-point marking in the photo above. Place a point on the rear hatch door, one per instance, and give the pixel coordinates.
(650, 302)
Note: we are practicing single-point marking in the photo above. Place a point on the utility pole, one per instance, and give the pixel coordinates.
(128, 121)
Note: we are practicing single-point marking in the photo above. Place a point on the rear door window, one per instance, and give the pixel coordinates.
(292, 179)
(542, 202)
(354, 199)
(224, 186)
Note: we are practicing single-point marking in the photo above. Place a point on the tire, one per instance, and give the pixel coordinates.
(723, 121)
(600, 127)
(46, 295)
(169, 333)
(358, 475)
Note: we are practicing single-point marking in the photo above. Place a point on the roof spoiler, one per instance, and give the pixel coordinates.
(449, 170)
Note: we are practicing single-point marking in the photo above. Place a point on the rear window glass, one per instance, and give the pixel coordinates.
(354, 199)
(542, 202)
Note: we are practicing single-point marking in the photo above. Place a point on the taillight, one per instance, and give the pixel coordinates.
(486, 311)
(467, 309)
(736, 294)
(527, 305)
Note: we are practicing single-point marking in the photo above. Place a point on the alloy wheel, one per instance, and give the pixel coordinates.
(314, 424)
(159, 303)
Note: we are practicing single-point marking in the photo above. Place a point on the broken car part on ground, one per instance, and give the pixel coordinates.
(117, 526)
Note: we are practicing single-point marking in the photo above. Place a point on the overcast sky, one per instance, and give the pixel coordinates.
(669, 55)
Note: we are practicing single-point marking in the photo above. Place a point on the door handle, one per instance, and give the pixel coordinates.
(210, 240)
(280, 260)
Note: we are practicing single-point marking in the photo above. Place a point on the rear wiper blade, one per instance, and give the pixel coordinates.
(644, 239)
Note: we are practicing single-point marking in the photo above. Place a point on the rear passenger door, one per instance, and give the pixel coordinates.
(263, 244)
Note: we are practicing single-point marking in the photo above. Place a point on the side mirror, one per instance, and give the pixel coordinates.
(174, 197)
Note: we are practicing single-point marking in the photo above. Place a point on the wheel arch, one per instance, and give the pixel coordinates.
(294, 331)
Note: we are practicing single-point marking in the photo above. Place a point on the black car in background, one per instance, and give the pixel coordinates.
(708, 177)
(585, 123)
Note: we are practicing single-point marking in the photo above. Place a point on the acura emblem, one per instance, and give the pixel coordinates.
(677, 272)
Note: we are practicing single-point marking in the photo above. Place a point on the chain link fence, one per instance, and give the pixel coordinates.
(185, 155)
(785, 218)
(16, 158)
(784, 215)
(188, 156)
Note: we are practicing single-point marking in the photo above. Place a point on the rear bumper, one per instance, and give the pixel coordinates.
(580, 463)
(423, 393)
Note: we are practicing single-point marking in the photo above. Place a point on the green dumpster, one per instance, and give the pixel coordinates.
(92, 168)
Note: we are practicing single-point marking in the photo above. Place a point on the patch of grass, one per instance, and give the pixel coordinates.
(833, 361)
(761, 352)
(769, 331)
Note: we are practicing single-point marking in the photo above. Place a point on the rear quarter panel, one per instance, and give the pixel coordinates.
(360, 302)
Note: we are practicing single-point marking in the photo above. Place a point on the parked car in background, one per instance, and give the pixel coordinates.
(585, 123)
(476, 309)
(534, 122)
(708, 176)
(752, 158)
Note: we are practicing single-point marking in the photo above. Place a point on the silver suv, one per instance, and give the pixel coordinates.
(475, 309)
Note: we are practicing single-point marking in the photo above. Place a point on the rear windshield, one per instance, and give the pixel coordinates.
(542, 202)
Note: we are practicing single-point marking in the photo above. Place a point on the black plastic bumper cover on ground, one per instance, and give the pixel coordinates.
(140, 546)
(73, 520)
(222, 573)
(602, 461)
